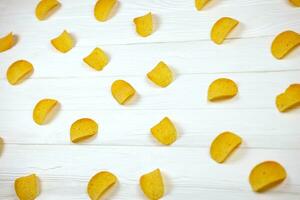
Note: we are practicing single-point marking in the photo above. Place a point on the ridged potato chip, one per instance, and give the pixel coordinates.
(64, 42)
(161, 75)
(295, 2)
(223, 145)
(45, 8)
(103, 9)
(289, 99)
(144, 25)
(266, 175)
(284, 43)
(122, 91)
(7, 42)
(222, 88)
(200, 4)
(152, 185)
(83, 129)
(97, 59)
(44, 110)
(165, 131)
(99, 184)
(27, 187)
(18, 71)
(222, 28)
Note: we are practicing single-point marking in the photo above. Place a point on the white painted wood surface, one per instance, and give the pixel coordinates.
(124, 145)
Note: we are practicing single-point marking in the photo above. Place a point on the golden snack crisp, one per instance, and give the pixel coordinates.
(289, 99)
(144, 25)
(266, 175)
(152, 185)
(222, 88)
(97, 59)
(200, 4)
(100, 183)
(165, 131)
(83, 129)
(45, 7)
(122, 91)
(222, 28)
(18, 71)
(295, 2)
(103, 9)
(7, 42)
(27, 187)
(43, 110)
(161, 75)
(64, 42)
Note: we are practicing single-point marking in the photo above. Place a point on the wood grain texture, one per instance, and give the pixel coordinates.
(124, 145)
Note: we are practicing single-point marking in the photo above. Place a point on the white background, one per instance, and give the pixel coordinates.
(124, 145)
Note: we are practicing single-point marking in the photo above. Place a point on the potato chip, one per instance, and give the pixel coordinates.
(144, 25)
(295, 2)
(7, 42)
(27, 187)
(1, 145)
(99, 184)
(223, 145)
(222, 88)
(289, 99)
(103, 9)
(83, 129)
(200, 4)
(122, 91)
(152, 185)
(284, 43)
(165, 132)
(45, 8)
(222, 28)
(97, 59)
(266, 175)
(18, 71)
(161, 75)
(64, 42)
(44, 110)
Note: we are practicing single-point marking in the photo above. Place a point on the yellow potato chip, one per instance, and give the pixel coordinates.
(18, 71)
(45, 8)
(223, 145)
(27, 187)
(295, 2)
(122, 91)
(161, 75)
(1, 145)
(266, 175)
(284, 43)
(64, 42)
(97, 59)
(200, 4)
(289, 99)
(144, 25)
(44, 110)
(165, 132)
(222, 28)
(7, 42)
(152, 185)
(103, 9)
(222, 88)
(99, 184)
(83, 129)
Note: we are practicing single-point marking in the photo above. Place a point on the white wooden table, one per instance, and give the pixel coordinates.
(124, 145)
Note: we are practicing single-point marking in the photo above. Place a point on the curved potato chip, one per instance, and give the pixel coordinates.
(122, 91)
(45, 7)
(7, 42)
(222, 28)
(266, 175)
(200, 4)
(44, 110)
(103, 9)
(222, 88)
(99, 184)
(284, 43)
(161, 75)
(18, 71)
(64, 42)
(97, 59)
(223, 145)
(165, 131)
(144, 25)
(27, 187)
(295, 2)
(289, 99)
(152, 185)
(1, 145)
(83, 129)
